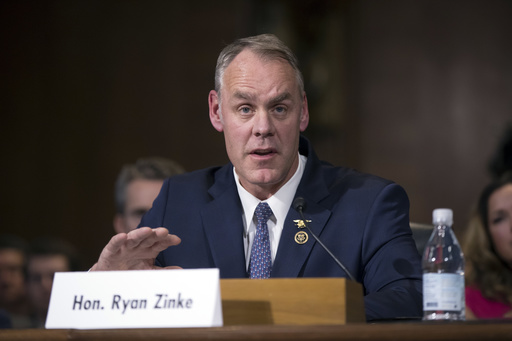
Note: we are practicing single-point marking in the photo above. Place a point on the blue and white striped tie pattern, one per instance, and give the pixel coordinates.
(261, 261)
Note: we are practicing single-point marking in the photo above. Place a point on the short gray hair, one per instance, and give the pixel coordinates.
(155, 168)
(267, 46)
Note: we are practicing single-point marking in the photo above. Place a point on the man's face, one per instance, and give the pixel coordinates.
(11, 276)
(140, 194)
(261, 113)
(40, 271)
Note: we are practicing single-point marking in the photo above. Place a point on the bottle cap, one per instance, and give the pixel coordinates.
(442, 216)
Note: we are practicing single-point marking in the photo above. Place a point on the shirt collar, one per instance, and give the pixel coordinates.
(280, 202)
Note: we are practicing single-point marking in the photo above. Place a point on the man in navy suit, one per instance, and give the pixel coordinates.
(260, 105)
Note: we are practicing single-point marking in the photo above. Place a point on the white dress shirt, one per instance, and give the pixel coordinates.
(280, 203)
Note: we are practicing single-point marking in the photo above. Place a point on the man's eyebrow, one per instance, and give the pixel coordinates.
(243, 95)
(280, 97)
(249, 97)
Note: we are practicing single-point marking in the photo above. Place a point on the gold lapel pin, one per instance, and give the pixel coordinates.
(301, 237)
(300, 223)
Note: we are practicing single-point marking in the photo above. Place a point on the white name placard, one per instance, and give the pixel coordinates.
(135, 299)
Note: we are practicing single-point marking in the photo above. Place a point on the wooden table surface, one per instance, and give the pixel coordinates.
(418, 331)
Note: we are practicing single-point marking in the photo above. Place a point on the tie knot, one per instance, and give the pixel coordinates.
(263, 212)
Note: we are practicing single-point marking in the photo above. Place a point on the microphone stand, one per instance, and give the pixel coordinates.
(299, 207)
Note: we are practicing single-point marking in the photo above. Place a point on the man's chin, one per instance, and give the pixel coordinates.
(263, 177)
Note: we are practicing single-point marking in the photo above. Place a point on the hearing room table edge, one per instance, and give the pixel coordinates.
(418, 331)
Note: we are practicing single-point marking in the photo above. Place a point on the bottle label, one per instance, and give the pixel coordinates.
(442, 291)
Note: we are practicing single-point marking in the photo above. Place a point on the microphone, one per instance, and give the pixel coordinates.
(299, 204)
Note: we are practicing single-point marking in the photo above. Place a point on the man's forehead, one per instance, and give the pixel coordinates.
(142, 183)
(248, 57)
(247, 74)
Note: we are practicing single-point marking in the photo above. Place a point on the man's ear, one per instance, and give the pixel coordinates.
(304, 117)
(119, 225)
(215, 117)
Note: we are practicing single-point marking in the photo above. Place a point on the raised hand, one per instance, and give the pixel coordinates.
(135, 250)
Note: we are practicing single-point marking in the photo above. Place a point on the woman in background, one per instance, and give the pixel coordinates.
(488, 253)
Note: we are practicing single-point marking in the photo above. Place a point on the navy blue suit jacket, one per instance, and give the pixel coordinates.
(362, 219)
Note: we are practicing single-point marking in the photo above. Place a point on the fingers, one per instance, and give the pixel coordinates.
(110, 254)
(140, 237)
(164, 240)
(116, 243)
(135, 250)
(168, 268)
(157, 239)
(146, 243)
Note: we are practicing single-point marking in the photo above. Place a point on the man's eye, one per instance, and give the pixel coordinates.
(245, 110)
(280, 110)
(138, 213)
(496, 220)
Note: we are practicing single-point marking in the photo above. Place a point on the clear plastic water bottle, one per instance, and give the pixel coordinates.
(443, 271)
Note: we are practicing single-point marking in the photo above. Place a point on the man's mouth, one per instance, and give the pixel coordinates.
(263, 152)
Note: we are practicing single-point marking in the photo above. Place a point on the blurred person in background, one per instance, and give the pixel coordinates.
(137, 186)
(501, 161)
(13, 298)
(46, 257)
(488, 251)
(5, 321)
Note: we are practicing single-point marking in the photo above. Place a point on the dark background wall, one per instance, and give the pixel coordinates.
(415, 91)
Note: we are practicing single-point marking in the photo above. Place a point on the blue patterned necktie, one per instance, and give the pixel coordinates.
(261, 261)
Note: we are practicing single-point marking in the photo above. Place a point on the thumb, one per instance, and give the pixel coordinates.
(172, 267)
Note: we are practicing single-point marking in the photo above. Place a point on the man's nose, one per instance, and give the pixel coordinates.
(262, 123)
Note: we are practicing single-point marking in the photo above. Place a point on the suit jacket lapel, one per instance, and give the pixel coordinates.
(292, 256)
(223, 225)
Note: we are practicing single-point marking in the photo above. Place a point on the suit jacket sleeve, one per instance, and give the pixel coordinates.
(392, 265)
